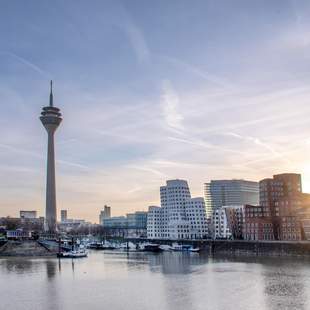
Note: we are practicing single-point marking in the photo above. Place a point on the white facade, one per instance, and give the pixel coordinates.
(180, 216)
(227, 222)
(219, 224)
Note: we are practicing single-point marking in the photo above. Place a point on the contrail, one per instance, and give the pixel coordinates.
(29, 64)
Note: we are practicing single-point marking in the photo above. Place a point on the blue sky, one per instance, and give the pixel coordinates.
(150, 90)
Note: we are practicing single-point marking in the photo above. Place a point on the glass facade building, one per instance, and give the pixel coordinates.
(218, 193)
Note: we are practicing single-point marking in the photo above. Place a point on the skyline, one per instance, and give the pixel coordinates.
(148, 96)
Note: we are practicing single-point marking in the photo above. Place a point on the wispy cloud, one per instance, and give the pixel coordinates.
(38, 155)
(134, 33)
(137, 41)
(148, 169)
(259, 142)
(203, 74)
(170, 106)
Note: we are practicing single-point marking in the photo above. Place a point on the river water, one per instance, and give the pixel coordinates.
(142, 281)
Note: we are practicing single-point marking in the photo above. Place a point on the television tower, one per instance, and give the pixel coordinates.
(50, 118)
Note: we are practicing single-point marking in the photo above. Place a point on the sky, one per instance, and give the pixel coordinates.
(150, 91)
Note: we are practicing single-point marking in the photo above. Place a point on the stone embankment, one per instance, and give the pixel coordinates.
(24, 248)
(243, 247)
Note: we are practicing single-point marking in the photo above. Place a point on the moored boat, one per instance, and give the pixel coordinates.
(73, 254)
(152, 247)
(100, 246)
(184, 248)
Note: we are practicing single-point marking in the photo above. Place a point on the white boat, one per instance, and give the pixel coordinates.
(184, 248)
(73, 254)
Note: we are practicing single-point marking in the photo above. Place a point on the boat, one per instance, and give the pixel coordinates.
(152, 247)
(184, 248)
(73, 254)
(100, 246)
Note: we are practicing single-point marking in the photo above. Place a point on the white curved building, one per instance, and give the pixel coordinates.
(180, 216)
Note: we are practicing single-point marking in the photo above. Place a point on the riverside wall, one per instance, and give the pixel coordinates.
(243, 247)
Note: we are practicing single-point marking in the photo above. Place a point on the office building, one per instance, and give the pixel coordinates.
(133, 225)
(218, 193)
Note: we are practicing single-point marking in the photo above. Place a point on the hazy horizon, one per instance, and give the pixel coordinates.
(150, 91)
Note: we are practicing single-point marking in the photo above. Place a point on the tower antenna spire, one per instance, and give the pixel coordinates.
(51, 94)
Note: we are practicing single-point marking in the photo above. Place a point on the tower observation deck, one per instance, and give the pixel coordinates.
(51, 119)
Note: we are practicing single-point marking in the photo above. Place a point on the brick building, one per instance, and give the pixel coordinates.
(257, 226)
(280, 198)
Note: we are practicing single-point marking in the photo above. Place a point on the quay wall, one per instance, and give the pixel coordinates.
(243, 247)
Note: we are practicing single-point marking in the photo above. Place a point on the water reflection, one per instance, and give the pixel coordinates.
(176, 263)
(284, 287)
(51, 267)
(166, 281)
(17, 265)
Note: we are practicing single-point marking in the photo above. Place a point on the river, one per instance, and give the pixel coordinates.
(142, 281)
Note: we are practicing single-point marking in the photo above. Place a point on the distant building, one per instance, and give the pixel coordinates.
(115, 222)
(218, 193)
(104, 214)
(18, 234)
(71, 224)
(28, 214)
(133, 225)
(180, 216)
(63, 215)
(137, 220)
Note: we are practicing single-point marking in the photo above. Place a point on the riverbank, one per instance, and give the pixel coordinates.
(30, 248)
(213, 247)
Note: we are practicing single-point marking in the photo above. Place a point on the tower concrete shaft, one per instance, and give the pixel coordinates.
(50, 118)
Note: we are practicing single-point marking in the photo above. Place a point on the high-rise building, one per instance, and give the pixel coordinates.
(280, 186)
(104, 214)
(218, 193)
(180, 216)
(63, 215)
(281, 211)
(51, 119)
